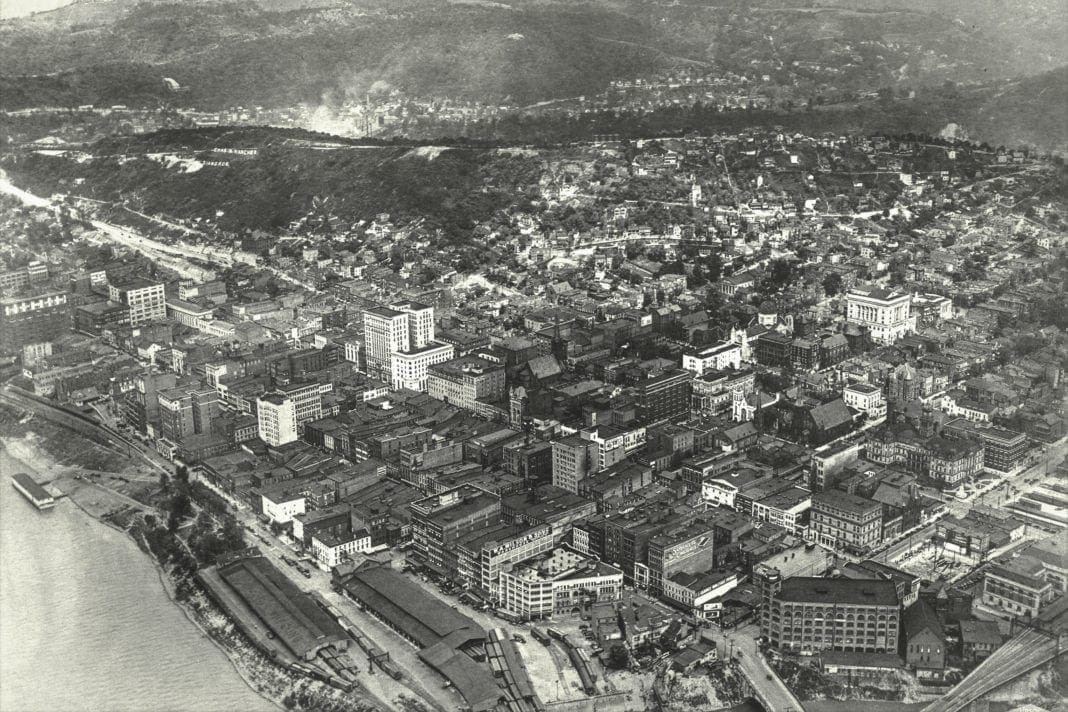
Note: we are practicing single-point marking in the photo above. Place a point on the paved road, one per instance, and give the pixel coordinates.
(418, 681)
(769, 689)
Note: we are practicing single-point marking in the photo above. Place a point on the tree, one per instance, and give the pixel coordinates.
(618, 657)
(180, 508)
(832, 284)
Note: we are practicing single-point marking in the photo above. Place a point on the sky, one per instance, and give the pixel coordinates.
(17, 8)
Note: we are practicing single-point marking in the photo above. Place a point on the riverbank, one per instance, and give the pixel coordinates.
(143, 524)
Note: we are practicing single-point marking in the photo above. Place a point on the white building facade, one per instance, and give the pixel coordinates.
(276, 416)
(886, 314)
(714, 358)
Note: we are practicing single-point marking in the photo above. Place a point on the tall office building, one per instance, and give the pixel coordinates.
(144, 299)
(420, 323)
(385, 332)
(277, 418)
(664, 397)
(400, 346)
(574, 458)
(187, 411)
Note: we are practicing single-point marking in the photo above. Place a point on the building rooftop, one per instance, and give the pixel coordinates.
(787, 499)
(405, 605)
(804, 589)
(384, 312)
(133, 283)
(293, 616)
(454, 505)
(845, 501)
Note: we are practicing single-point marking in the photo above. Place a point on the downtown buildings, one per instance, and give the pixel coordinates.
(399, 343)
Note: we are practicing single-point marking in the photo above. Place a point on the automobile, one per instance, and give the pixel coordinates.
(518, 638)
(306, 573)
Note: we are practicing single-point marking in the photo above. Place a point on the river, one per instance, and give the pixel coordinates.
(85, 623)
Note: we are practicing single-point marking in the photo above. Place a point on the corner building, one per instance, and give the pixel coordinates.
(810, 614)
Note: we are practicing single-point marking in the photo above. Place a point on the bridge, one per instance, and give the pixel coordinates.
(1022, 654)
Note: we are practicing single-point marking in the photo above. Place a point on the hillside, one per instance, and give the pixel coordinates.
(237, 53)
(1028, 111)
(281, 52)
(448, 187)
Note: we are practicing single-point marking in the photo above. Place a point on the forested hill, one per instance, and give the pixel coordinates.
(280, 52)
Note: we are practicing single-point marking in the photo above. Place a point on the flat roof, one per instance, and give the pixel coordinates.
(383, 312)
(807, 589)
(845, 501)
(136, 283)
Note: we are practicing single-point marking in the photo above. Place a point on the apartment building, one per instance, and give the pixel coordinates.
(187, 411)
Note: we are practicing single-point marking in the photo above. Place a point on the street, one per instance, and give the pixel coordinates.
(418, 681)
(769, 689)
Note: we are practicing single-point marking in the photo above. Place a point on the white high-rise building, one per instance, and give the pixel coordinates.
(420, 323)
(886, 314)
(399, 343)
(277, 416)
(385, 331)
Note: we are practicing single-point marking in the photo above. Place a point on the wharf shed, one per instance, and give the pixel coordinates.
(292, 615)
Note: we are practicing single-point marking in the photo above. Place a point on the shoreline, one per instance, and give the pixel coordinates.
(241, 654)
(167, 584)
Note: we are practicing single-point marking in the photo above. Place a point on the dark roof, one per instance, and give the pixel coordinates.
(293, 616)
(980, 632)
(920, 617)
(473, 681)
(544, 366)
(831, 415)
(848, 591)
(408, 608)
(840, 499)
